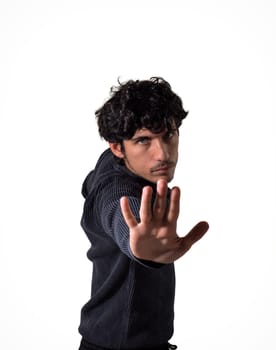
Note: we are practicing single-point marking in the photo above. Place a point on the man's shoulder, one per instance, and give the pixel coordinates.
(119, 184)
(110, 177)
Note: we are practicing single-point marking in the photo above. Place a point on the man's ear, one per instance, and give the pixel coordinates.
(116, 149)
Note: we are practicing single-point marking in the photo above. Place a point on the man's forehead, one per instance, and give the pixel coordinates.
(145, 131)
(142, 130)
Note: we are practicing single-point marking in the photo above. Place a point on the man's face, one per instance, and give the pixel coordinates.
(151, 156)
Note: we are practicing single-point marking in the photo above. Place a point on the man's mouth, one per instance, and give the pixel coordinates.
(163, 167)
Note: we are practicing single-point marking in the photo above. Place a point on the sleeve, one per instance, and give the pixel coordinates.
(114, 224)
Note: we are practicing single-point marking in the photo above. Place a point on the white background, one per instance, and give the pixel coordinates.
(58, 60)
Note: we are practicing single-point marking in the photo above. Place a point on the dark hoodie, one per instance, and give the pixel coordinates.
(132, 301)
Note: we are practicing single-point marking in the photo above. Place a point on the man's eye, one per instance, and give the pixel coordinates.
(143, 140)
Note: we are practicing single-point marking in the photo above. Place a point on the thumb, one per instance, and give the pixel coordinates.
(196, 233)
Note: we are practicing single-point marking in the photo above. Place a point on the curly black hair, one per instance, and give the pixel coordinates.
(139, 104)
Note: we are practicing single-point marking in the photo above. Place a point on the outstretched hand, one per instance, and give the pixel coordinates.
(154, 237)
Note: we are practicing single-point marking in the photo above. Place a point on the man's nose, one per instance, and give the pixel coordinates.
(161, 151)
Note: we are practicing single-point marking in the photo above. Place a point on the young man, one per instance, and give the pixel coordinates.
(130, 218)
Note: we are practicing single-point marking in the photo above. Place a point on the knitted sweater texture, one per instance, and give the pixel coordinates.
(132, 300)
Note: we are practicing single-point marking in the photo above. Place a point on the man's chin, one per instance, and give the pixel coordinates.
(167, 178)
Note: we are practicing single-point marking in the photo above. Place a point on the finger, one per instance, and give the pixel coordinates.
(174, 205)
(145, 208)
(195, 234)
(160, 202)
(127, 213)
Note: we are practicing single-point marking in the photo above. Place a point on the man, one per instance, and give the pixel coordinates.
(130, 218)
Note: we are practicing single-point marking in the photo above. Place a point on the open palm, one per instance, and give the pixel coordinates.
(154, 238)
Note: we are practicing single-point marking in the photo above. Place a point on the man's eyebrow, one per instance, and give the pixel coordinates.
(142, 136)
(136, 138)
